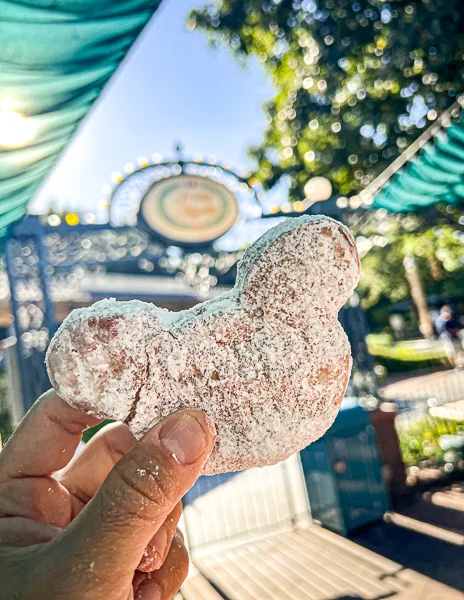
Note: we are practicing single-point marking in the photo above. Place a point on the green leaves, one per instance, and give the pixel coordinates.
(420, 441)
(356, 82)
(434, 239)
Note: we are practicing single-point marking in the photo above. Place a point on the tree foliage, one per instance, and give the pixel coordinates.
(420, 442)
(356, 81)
(434, 239)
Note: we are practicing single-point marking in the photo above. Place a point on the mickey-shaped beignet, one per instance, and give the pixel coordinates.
(268, 361)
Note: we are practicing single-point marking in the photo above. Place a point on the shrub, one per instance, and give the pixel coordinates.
(419, 441)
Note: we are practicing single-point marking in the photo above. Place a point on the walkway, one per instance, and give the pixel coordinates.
(428, 535)
(309, 564)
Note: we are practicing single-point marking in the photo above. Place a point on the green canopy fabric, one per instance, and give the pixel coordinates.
(435, 175)
(55, 58)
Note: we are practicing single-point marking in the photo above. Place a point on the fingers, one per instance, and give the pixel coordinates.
(46, 439)
(158, 547)
(39, 498)
(115, 527)
(88, 470)
(164, 583)
(18, 531)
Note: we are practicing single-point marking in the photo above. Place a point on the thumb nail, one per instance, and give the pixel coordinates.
(186, 435)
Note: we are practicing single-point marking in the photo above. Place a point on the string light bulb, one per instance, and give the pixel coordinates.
(72, 219)
(298, 206)
(54, 220)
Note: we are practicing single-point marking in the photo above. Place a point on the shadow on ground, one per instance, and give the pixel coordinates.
(359, 597)
(431, 556)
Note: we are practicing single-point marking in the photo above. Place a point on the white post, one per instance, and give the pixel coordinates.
(15, 395)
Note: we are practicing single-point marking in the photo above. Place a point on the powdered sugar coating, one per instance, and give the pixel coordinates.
(268, 361)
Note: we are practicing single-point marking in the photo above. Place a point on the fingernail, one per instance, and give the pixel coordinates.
(184, 438)
(160, 541)
(155, 552)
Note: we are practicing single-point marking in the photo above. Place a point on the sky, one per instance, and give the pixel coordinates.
(171, 87)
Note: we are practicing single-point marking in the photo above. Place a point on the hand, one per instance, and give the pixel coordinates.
(101, 525)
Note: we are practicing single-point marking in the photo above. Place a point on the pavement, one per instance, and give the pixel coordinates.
(417, 553)
(428, 538)
(307, 564)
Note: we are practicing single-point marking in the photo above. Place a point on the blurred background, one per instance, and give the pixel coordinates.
(144, 145)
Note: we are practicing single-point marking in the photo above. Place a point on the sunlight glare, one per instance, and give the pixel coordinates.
(16, 130)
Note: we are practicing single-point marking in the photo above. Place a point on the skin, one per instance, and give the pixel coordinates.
(101, 524)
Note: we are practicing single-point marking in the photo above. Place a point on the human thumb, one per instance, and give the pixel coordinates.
(113, 530)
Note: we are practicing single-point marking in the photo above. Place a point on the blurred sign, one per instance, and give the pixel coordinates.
(189, 209)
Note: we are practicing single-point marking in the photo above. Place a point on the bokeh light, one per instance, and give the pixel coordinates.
(16, 130)
(72, 219)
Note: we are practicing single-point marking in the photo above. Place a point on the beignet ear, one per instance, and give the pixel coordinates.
(98, 356)
(309, 270)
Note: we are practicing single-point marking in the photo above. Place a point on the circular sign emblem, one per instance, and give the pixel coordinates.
(189, 209)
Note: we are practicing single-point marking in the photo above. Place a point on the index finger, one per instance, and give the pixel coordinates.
(45, 440)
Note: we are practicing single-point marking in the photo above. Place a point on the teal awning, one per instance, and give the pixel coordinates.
(55, 58)
(436, 174)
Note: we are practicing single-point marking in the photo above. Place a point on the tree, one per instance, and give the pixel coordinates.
(433, 239)
(356, 81)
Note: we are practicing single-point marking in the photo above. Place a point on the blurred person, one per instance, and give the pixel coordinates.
(446, 323)
(100, 524)
(450, 331)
